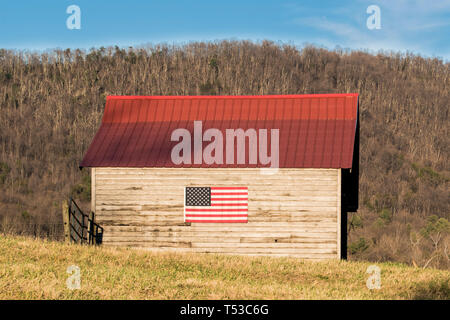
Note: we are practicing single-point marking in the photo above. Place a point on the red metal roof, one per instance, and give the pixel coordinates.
(315, 131)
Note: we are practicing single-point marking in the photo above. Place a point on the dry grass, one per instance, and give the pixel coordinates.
(36, 269)
(51, 106)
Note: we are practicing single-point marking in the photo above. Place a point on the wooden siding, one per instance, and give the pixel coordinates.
(294, 212)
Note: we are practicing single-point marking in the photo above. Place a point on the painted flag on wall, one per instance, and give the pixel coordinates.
(216, 204)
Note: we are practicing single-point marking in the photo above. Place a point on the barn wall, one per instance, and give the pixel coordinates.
(295, 212)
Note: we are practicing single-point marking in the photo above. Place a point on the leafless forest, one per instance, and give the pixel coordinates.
(51, 106)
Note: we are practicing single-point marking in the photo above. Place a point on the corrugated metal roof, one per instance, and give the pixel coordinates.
(315, 131)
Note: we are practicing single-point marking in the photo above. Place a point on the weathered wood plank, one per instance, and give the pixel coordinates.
(269, 237)
(158, 192)
(149, 220)
(245, 231)
(139, 205)
(197, 171)
(308, 252)
(237, 235)
(256, 211)
(209, 243)
(261, 189)
(306, 225)
(302, 247)
(245, 227)
(325, 221)
(254, 214)
(118, 198)
(158, 184)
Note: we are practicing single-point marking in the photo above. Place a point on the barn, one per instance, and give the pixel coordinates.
(269, 175)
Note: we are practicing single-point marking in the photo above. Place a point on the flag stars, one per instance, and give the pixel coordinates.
(198, 196)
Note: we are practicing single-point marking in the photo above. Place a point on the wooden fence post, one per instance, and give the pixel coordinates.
(89, 227)
(65, 214)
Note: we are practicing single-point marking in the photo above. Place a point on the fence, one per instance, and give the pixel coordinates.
(80, 227)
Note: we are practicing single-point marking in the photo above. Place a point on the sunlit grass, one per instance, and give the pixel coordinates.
(36, 269)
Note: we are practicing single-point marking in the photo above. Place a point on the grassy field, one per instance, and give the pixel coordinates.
(37, 269)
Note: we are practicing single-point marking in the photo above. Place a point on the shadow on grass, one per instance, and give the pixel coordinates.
(433, 290)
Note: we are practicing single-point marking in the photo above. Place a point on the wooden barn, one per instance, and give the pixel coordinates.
(248, 175)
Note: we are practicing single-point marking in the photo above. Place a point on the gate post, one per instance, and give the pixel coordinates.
(65, 216)
(90, 228)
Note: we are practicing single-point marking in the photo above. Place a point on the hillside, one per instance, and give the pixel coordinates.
(36, 269)
(51, 106)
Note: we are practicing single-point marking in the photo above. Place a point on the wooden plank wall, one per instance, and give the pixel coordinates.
(294, 212)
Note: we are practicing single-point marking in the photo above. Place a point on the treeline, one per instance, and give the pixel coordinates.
(51, 106)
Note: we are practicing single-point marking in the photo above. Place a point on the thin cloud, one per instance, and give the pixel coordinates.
(339, 29)
(417, 6)
(406, 27)
(435, 25)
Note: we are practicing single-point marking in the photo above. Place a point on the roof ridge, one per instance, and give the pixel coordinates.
(274, 96)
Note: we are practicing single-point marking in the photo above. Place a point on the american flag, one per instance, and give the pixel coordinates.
(216, 204)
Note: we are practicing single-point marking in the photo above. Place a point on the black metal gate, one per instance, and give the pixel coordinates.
(82, 227)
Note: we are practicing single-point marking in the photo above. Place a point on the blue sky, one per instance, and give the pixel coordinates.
(418, 26)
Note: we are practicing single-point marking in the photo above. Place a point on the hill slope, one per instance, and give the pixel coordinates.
(51, 106)
(36, 269)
